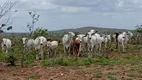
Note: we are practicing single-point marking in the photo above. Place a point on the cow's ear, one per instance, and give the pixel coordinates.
(101, 35)
(92, 33)
(85, 35)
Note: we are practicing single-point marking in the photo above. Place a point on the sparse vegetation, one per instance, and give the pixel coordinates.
(98, 74)
(34, 76)
(99, 63)
(112, 77)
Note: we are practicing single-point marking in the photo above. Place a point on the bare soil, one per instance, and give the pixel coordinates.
(92, 72)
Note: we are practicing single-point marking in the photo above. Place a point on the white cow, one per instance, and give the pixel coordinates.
(52, 46)
(107, 40)
(114, 37)
(6, 44)
(83, 46)
(102, 39)
(123, 39)
(94, 42)
(67, 41)
(40, 44)
(130, 36)
(28, 43)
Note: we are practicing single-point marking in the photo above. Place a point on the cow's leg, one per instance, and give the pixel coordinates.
(88, 47)
(79, 53)
(55, 52)
(64, 50)
(42, 54)
(37, 56)
(100, 47)
(81, 47)
(92, 50)
(37, 53)
(69, 51)
(119, 46)
(123, 46)
(6, 51)
(96, 49)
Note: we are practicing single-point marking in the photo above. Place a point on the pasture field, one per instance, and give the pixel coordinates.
(116, 66)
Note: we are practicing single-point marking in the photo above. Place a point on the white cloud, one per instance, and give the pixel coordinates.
(120, 3)
(74, 9)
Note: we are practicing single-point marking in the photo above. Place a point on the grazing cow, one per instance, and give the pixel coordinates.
(115, 38)
(130, 36)
(6, 44)
(123, 39)
(28, 43)
(40, 44)
(52, 46)
(84, 43)
(89, 35)
(102, 39)
(107, 40)
(76, 46)
(83, 46)
(67, 41)
(94, 42)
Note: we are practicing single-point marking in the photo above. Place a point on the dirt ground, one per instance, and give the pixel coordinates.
(92, 72)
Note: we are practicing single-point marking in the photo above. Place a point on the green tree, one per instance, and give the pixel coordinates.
(139, 29)
(40, 32)
(139, 34)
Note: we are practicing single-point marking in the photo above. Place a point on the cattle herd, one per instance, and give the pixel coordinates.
(91, 42)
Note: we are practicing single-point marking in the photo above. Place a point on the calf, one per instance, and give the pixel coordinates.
(28, 43)
(76, 45)
(52, 46)
(67, 41)
(40, 44)
(123, 39)
(6, 44)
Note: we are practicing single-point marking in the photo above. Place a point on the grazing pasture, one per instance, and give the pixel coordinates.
(88, 53)
(111, 64)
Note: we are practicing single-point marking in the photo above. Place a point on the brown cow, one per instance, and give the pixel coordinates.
(76, 45)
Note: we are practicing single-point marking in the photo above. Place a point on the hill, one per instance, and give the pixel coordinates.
(86, 29)
(78, 30)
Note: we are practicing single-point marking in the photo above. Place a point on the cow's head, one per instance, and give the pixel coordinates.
(24, 40)
(41, 40)
(80, 37)
(71, 34)
(130, 34)
(89, 34)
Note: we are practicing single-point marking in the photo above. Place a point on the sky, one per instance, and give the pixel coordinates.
(66, 14)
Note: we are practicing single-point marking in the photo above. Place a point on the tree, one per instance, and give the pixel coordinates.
(40, 32)
(5, 15)
(31, 26)
(139, 29)
(139, 34)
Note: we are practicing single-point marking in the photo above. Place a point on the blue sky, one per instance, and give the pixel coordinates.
(63, 14)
